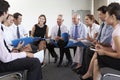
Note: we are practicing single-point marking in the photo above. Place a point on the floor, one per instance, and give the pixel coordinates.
(52, 72)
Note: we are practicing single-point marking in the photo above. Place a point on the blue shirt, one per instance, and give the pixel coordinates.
(106, 34)
(82, 31)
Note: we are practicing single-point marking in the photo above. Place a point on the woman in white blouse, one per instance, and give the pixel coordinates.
(93, 28)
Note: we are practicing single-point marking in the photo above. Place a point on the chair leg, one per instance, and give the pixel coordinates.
(48, 57)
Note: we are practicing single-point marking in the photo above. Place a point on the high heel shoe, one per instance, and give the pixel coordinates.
(89, 78)
(76, 69)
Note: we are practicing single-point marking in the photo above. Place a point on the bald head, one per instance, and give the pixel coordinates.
(75, 18)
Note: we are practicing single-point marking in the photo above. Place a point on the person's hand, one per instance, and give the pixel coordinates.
(29, 54)
(98, 46)
(100, 51)
(78, 39)
(89, 38)
(20, 45)
(95, 41)
(26, 48)
(15, 51)
(57, 38)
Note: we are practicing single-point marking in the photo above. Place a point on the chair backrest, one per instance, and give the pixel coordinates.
(110, 74)
(11, 76)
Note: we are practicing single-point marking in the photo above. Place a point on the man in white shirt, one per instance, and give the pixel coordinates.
(78, 32)
(8, 33)
(18, 29)
(16, 61)
(56, 32)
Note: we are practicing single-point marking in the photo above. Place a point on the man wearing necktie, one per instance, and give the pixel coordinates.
(59, 32)
(18, 33)
(5, 41)
(20, 30)
(78, 32)
(56, 32)
(104, 38)
(12, 62)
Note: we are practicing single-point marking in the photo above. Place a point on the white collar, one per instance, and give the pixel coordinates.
(16, 25)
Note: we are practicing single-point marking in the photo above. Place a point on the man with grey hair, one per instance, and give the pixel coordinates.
(78, 32)
(56, 32)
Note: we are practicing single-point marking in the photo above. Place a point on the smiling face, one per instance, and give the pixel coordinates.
(18, 20)
(75, 19)
(9, 20)
(41, 20)
(109, 19)
(101, 15)
(88, 21)
(59, 20)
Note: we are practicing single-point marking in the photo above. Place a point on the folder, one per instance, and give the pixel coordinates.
(26, 40)
(73, 43)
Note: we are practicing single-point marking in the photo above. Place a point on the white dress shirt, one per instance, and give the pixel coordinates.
(93, 30)
(55, 28)
(82, 31)
(8, 36)
(5, 56)
(22, 31)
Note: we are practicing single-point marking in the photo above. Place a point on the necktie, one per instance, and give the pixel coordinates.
(4, 41)
(18, 33)
(76, 32)
(59, 32)
(100, 32)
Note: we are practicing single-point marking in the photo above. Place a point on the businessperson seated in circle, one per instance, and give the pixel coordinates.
(16, 61)
(107, 56)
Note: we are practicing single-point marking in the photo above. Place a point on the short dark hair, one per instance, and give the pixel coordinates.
(15, 15)
(4, 5)
(114, 8)
(103, 9)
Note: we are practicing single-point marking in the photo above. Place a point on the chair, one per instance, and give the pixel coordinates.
(65, 37)
(19, 75)
(110, 74)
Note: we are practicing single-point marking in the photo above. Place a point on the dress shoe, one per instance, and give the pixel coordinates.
(81, 71)
(76, 69)
(73, 65)
(59, 65)
(90, 78)
(68, 64)
(55, 60)
(43, 65)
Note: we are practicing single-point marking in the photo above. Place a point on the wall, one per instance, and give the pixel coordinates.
(109, 1)
(97, 4)
(31, 9)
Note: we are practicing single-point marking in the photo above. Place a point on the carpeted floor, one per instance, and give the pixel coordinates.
(51, 72)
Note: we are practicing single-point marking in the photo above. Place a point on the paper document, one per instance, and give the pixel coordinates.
(74, 41)
(39, 55)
